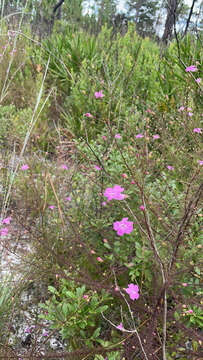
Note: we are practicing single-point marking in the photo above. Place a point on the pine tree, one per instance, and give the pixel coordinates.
(106, 11)
(143, 13)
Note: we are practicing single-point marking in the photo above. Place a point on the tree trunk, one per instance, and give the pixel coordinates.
(189, 18)
(56, 12)
(137, 8)
(170, 20)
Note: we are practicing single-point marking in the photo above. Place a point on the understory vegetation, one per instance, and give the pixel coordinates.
(101, 182)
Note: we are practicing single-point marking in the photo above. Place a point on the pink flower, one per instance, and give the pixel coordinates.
(133, 291)
(185, 284)
(99, 259)
(133, 182)
(4, 232)
(139, 136)
(169, 167)
(181, 108)
(103, 203)
(114, 193)
(191, 68)
(190, 113)
(142, 207)
(28, 330)
(123, 227)
(51, 207)
(124, 176)
(85, 297)
(45, 333)
(189, 109)
(200, 162)
(197, 130)
(6, 220)
(120, 327)
(68, 198)
(92, 251)
(156, 136)
(116, 288)
(190, 311)
(24, 167)
(105, 241)
(98, 94)
(198, 80)
(64, 166)
(88, 115)
(104, 137)
(97, 168)
(117, 136)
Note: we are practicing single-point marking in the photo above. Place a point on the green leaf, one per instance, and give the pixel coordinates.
(102, 308)
(52, 289)
(65, 309)
(80, 291)
(96, 333)
(70, 294)
(176, 315)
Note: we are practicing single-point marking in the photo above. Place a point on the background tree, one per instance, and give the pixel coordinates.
(106, 11)
(143, 13)
(73, 12)
(172, 6)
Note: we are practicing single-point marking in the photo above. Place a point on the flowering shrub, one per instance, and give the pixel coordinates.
(114, 221)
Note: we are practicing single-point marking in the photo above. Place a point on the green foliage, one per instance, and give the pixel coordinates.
(172, 75)
(111, 356)
(6, 305)
(75, 312)
(6, 113)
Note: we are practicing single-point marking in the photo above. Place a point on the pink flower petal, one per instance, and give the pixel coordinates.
(24, 167)
(133, 291)
(191, 68)
(114, 193)
(7, 220)
(169, 167)
(88, 115)
(181, 108)
(51, 207)
(120, 327)
(98, 94)
(4, 232)
(123, 227)
(197, 130)
(139, 136)
(97, 168)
